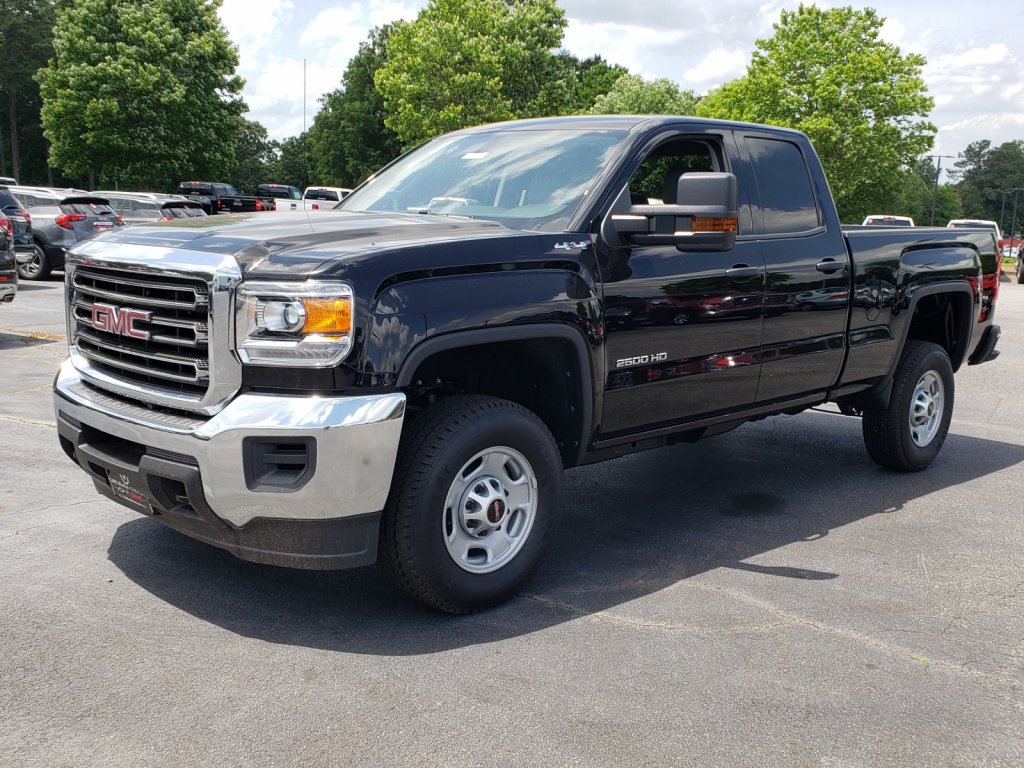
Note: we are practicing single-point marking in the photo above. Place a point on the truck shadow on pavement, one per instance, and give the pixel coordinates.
(630, 528)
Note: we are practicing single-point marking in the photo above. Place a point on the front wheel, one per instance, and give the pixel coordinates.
(907, 433)
(473, 503)
(1020, 271)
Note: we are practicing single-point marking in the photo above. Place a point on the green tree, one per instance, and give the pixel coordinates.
(986, 177)
(255, 158)
(348, 138)
(295, 162)
(26, 39)
(862, 102)
(594, 77)
(466, 62)
(141, 91)
(632, 95)
(914, 192)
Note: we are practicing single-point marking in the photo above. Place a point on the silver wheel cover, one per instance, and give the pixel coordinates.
(490, 510)
(926, 408)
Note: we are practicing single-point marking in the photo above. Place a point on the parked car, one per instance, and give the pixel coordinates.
(286, 198)
(60, 218)
(143, 207)
(8, 181)
(217, 197)
(323, 198)
(8, 264)
(886, 220)
(21, 223)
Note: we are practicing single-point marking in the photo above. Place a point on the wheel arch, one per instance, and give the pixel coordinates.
(943, 314)
(547, 349)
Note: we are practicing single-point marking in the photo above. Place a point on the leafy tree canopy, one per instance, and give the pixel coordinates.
(862, 102)
(632, 95)
(914, 192)
(348, 138)
(255, 158)
(466, 62)
(141, 91)
(294, 165)
(26, 45)
(987, 177)
(587, 78)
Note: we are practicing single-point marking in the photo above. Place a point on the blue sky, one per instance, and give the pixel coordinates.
(975, 53)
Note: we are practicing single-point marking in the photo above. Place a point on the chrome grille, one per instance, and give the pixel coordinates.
(174, 356)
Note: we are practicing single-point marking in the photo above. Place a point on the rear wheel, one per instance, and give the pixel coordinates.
(37, 268)
(1020, 271)
(907, 433)
(473, 503)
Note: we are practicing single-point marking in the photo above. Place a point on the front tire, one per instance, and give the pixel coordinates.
(1020, 271)
(473, 504)
(907, 433)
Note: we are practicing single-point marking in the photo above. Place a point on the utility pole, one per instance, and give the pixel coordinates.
(935, 189)
(1013, 217)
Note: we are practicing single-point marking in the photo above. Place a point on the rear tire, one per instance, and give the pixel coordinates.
(1020, 271)
(907, 433)
(38, 268)
(473, 503)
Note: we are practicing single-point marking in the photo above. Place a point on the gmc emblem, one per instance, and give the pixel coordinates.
(107, 317)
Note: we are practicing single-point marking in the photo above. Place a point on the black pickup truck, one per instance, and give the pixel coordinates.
(218, 197)
(408, 376)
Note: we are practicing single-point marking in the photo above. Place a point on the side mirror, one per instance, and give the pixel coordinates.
(704, 217)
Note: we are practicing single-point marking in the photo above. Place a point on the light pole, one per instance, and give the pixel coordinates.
(935, 189)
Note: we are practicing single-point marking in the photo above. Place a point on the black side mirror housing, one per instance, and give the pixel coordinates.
(704, 217)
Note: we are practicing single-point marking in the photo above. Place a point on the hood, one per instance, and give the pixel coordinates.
(297, 242)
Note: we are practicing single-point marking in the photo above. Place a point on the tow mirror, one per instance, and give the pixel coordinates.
(703, 218)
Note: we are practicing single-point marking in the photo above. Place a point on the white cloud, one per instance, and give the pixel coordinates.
(717, 67)
(893, 31)
(253, 24)
(977, 86)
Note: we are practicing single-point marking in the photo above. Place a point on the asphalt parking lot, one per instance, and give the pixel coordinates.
(767, 597)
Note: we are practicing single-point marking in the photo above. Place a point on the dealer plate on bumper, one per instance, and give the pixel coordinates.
(127, 488)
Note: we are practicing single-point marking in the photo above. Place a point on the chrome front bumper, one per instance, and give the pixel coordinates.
(356, 444)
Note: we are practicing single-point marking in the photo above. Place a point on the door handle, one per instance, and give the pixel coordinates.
(829, 265)
(742, 271)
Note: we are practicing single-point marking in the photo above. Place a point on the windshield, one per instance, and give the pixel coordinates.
(522, 178)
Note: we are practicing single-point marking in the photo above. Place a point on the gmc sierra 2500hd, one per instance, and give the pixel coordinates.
(408, 376)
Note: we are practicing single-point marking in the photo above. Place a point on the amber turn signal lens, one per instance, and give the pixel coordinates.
(330, 317)
(712, 224)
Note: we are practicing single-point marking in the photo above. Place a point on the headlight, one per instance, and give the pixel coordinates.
(306, 325)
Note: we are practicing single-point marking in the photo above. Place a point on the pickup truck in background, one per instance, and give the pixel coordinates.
(217, 197)
(323, 198)
(407, 377)
(286, 198)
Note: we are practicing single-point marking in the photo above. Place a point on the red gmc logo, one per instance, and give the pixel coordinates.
(107, 317)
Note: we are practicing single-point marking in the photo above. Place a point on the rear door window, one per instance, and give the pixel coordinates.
(788, 203)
